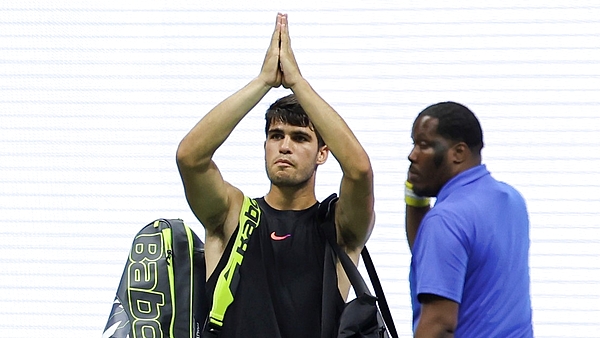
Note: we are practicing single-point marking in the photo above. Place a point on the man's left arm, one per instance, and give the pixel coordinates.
(354, 215)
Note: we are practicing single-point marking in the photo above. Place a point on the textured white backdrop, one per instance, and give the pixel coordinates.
(95, 96)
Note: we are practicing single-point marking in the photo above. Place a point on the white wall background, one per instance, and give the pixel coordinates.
(95, 96)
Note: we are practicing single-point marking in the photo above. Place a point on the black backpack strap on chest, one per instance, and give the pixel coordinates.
(229, 277)
(353, 318)
(332, 303)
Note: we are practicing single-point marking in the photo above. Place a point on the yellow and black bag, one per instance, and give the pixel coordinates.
(161, 293)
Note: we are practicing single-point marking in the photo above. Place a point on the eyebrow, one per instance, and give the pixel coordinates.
(417, 135)
(293, 133)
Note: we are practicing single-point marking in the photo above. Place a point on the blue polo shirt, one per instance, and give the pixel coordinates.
(473, 248)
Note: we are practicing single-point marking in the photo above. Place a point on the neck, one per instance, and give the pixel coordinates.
(291, 198)
(466, 166)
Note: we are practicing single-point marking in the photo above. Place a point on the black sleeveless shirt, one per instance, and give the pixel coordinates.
(280, 294)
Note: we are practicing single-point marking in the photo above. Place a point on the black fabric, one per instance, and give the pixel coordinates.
(361, 316)
(330, 310)
(281, 287)
(360, 319)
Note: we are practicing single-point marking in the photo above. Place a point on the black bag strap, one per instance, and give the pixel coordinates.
(358, 283)
(383, 304)
(356, 279)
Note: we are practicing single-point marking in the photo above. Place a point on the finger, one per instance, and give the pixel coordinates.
(279, 20)
(276, 37)
(285, 34)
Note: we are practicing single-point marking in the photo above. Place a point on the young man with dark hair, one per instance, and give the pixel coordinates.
(469, 273)
(287, 110)
(280, 282)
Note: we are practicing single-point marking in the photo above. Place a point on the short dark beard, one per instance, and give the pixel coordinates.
(439, 154)
(288, 183)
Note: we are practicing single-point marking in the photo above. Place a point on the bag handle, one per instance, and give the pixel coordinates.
(356, 279)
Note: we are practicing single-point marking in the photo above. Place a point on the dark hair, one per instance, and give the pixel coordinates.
(287, 110)
(456, 122)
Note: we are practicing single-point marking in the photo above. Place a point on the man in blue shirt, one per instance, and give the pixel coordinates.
(470, 253)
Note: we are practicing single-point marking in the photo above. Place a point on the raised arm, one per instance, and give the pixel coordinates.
(215, 202)
(354, 215)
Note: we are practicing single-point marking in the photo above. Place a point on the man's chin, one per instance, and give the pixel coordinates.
(282, 180)
(283, 183)
(420, 191)
(287, 181)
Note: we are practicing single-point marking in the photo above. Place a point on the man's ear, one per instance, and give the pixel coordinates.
(322, 155)
(460, 153)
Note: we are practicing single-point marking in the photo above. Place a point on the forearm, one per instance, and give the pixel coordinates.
(414, 216)
(416, 209)
(340, 140)
(198, 146)
(354, 215)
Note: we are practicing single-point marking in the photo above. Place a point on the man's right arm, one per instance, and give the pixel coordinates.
(215, 202)
(414, 216)
(208, 195)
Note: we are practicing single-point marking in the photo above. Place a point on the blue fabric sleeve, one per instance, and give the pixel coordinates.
(440, 257)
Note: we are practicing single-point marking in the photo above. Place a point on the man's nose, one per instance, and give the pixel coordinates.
(285, 145)
(412, 156)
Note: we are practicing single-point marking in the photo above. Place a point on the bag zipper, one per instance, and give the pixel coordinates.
(168, 240)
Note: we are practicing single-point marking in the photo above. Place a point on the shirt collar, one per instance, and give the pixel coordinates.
(462, 179)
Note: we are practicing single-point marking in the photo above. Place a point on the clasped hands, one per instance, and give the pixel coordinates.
(280, 66)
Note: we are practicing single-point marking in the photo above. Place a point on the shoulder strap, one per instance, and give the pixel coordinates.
(228, 280)
(383, 304)
(358, 283)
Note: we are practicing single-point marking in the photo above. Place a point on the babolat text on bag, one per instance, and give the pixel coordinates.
(161, 293)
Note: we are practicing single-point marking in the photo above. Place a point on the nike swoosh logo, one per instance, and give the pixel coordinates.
(279, 238)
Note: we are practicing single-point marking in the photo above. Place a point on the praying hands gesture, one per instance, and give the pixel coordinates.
(280, 66)
(354, 212)
(217, 203)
